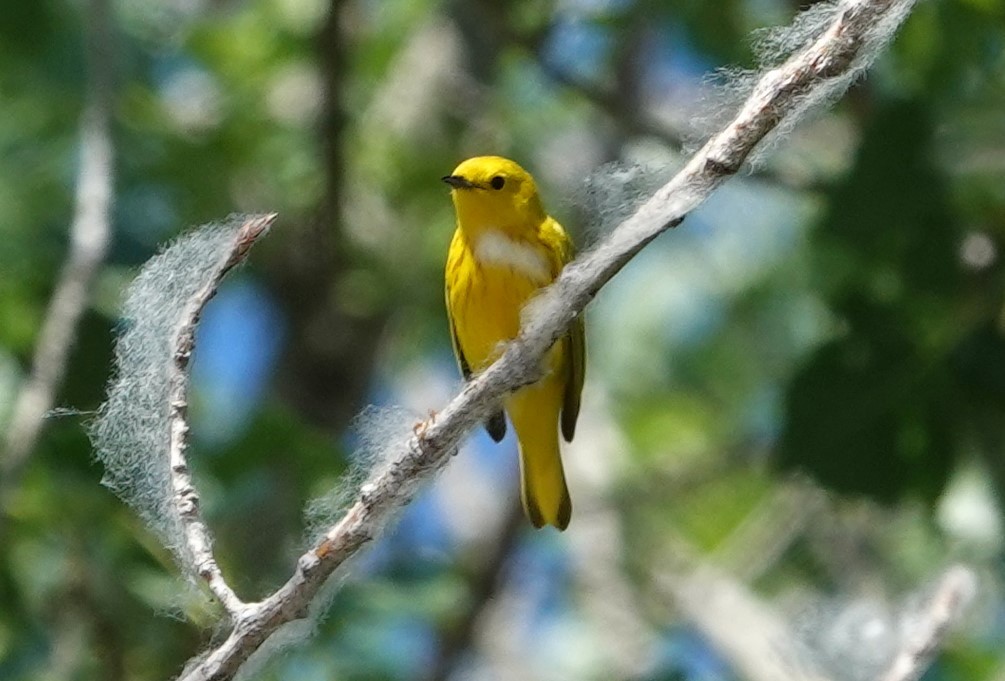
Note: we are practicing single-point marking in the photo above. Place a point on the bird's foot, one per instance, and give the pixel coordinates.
(420, 427)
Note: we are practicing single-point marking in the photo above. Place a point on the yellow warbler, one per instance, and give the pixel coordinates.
(505, 248)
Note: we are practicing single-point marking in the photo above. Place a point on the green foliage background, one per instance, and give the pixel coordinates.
(803, 385)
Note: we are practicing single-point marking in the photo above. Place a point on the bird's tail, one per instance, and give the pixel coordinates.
(543, 490)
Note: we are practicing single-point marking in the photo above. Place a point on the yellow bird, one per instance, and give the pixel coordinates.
(505, 248)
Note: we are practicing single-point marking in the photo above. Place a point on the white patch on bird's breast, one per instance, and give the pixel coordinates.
(495, 247)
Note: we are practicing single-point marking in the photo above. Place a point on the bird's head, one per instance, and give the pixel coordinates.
(494, 192)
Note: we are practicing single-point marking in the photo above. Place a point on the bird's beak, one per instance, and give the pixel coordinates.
(458, 182)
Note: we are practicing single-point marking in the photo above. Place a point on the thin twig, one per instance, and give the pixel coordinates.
(631, 118)
(779, 93)
(770, 529)
(954, 592)
(90, 233)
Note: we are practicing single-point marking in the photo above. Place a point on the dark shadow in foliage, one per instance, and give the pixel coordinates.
(871, 415)
(874, 411)
(979, 361)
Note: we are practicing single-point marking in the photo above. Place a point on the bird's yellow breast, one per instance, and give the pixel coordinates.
(491, 276)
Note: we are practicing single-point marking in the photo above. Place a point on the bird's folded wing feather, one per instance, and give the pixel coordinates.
(496, 424)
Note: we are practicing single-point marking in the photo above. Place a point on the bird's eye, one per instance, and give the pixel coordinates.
(497, 182)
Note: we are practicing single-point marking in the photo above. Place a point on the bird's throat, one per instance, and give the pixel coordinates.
(500, 249)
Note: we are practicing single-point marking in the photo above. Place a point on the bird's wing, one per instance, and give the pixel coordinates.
(462, 362)
(575, 347)
(575, 341)
(496, 424)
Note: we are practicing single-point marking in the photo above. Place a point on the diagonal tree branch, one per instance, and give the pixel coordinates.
(952, 595)
(747, 631)
(841, 52)
(627, 113)
(90, 233)
(759, 643)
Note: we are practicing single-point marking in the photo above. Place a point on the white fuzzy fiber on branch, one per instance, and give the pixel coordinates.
(140, 433)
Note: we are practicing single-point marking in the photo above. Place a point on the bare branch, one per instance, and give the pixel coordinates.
(628, 114)
(816, 72)
(750, 633)
(952, 595)
(197, 538)
(90, 233)
(758, 642)
(141, 433)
